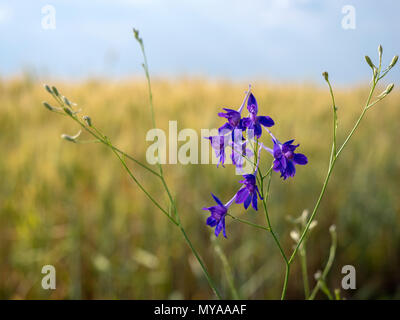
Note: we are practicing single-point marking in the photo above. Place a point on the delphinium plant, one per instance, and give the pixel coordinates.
(240, 138)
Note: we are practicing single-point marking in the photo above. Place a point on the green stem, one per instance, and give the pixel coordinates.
(331, 166)
(328, 266)
(248, 222)
(210, 281)
(303, 258)
(150, 93)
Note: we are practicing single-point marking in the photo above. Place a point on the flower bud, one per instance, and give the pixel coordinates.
(47, 88)
(294, 235)
(369, 61)
(380, 51)
(318, 275)
(71, 138)
(332, 228)
(313, 224)
(325, 75)
(68, 111)
(55, 91)
(66, 101)
(87, 120)
(47, 106)
(389, 88)
(394, 61)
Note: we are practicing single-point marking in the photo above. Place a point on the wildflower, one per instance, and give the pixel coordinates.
(217, 217)
(239, 149)
(286, 158)
(219, 143)
(248, 193)
(254, 122)
(233, 117)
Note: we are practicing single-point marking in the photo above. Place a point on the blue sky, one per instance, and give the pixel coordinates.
(283, 40)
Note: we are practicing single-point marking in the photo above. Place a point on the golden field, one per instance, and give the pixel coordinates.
(74, 207)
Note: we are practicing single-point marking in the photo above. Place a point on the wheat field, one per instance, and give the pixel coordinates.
(72, 205)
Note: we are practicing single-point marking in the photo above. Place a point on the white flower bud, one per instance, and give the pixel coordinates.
(294, 235)
(71, 138)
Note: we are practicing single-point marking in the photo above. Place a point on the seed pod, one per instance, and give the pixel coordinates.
(394, 61)
(389, 88)
(369, 61)
(325, 75)
(55, 91)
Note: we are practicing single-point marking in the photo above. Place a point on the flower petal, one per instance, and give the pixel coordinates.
(265, 121)
(217, 200)
(247, 201)
(254, 201)
(211, 221)
(257, 130)
(300, 158)
(252, 104)
(241, 195)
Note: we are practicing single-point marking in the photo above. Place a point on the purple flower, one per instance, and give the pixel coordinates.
(286, 158)
(254, 122)
(248, 193)
(217, 217)
(233, 117)
(234, 121)
(219, 143)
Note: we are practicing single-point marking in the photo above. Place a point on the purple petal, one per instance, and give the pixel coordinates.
(254, 201)
(217, 200)
(223, 227)
(252, 104)
(218, 228)
(211, 222)
(300, 158)
(241, 195)
(225, 128)
(290, 169)
(277, 165)
(265, 121)
(257, 130)
(247, 201)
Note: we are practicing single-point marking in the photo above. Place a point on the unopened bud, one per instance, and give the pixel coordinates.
(71, 138)
(55, 91)
(47, 88)
(47, 106)
(313, 224)
(380, 51)
(389, 88)
(368, 59)
(318, 275)
(66, 101)
(68, 111)
(332, 228)
(394, 61)
(325, 75)
(88, 120)
(294, 235)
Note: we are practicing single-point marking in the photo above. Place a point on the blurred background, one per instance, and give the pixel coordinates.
(73, 206)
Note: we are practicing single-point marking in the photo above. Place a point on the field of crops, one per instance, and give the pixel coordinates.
(73, 206)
